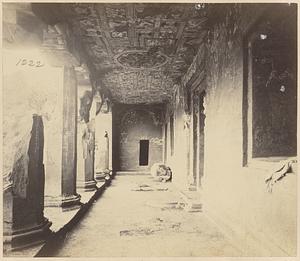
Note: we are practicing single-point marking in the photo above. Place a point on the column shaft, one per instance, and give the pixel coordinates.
(69, 145)
(61, 145)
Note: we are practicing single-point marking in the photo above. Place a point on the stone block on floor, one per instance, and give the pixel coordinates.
(192, 201)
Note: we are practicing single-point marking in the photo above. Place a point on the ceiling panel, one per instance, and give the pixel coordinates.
(140, 51)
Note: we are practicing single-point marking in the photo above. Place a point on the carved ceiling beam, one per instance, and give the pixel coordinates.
(196, 72)
(101, 16)
(196, 82)
(157, 26)
(179, 36)
(98, 47)
(142, 41)
(179, 41)
(164, 79)
(189, 73)
(129, 15)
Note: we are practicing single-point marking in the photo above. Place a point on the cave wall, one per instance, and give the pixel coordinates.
(30, 86)
(233, 192)
(30, 110)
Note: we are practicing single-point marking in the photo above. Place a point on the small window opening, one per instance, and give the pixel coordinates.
(144, 152)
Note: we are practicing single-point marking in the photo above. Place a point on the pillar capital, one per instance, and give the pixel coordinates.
(54, 47)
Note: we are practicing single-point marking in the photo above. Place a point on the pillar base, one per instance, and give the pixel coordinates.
(62, 201)
(192, 187)
(87, 185)
(101, 175)
(26, 237)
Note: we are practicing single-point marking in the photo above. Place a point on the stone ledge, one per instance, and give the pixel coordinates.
(27, 237)
(248, 241)
(134, 172)
(192, 199)
(272, 163)
(86, 186)
(62, 201)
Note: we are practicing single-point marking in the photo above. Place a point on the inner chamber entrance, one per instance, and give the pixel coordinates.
(144, 152)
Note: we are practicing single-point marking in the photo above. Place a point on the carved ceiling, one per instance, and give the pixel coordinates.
(139, 51)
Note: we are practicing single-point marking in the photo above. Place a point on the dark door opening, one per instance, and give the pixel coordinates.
(198, 137)
(201, 137)
(195, 116)
(144, 152)
(166, 143)
(172, 134)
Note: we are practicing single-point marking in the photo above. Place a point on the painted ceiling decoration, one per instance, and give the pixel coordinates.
(141, 60)
(139, 51)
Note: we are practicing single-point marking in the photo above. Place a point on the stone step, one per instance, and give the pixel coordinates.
(192, 200)
(132, 173)
(294, 167)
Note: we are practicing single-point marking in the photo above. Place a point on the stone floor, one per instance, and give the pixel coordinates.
(139, 217)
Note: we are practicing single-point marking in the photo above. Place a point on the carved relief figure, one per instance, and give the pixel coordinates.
(85, 106)
(87, 142)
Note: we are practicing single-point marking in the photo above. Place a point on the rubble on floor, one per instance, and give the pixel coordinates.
(145, 187)
(161, 172)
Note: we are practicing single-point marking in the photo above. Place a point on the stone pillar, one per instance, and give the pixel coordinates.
(61, 148)
(187, 131)
(103, 125)
(86, 139)
(69, 146)
(24, 221)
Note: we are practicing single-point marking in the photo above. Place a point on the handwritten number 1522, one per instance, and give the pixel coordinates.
(30, 63)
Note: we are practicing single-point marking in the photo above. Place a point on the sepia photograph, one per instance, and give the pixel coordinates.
(149, 129)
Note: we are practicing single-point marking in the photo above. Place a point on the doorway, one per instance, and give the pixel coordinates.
(201, 139)
(144, 153)
(198, 137)
(166, 143)
(195, 116)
